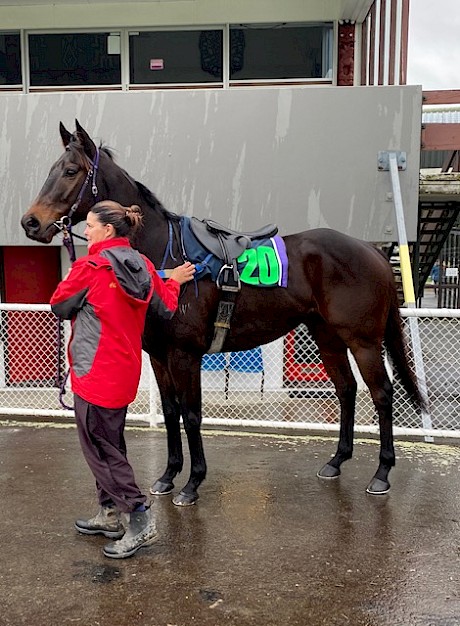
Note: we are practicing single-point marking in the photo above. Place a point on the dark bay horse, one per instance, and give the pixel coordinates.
(341, 288)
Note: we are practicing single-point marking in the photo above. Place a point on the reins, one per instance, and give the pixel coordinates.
(65, 226)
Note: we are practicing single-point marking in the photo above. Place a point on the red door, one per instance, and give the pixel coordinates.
(31, 273)
(31, 341)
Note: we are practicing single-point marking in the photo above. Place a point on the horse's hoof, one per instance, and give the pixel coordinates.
(378, 487)
(185, 499)
(328, 472)
(161, 489)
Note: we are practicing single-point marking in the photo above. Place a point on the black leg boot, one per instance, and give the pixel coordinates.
(141, 532)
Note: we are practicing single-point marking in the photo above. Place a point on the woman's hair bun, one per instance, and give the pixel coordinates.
(134, 208)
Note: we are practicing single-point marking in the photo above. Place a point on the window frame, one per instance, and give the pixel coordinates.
(325, 52)
(66, 88)
(15, 87)
(217, 84)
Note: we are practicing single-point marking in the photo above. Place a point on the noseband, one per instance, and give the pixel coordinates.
(65, 223)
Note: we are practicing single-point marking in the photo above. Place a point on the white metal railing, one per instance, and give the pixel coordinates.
(280, 385)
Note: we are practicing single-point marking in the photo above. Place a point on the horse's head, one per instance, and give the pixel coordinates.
(69, 188)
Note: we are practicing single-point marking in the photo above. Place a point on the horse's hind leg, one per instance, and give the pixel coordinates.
(171, 412)
(372, 368)
(335, 360)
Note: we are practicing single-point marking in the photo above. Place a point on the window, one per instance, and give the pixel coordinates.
(10, 59)
(276, 52)
(74, 59)
(216, 57)
(183, 56)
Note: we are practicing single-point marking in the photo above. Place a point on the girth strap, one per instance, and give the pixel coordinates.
(222, 323)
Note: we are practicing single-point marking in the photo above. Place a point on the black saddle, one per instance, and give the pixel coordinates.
(227, 244)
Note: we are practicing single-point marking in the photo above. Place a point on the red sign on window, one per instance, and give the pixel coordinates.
(157, 64)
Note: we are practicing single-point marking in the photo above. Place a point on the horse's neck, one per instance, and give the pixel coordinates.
(154, 235)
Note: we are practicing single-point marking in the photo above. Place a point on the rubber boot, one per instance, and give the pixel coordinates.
(141, 532)
(106, 522)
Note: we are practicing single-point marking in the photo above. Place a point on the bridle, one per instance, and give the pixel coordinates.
(65, 226)
(65, 223)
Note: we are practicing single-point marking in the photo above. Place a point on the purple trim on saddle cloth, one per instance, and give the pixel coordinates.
(280, 249)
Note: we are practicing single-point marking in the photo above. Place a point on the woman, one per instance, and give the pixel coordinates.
(106, 295)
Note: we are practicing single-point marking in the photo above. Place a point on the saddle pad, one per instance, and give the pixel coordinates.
(264, 264)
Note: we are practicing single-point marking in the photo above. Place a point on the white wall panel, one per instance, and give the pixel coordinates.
(299, 157)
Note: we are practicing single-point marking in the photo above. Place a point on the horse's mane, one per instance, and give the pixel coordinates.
(108, 151)
(153, 201)
(149, 197)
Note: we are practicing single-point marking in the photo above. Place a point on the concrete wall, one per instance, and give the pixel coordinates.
(299, 157)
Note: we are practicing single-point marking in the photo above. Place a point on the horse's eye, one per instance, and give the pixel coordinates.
(71, 171)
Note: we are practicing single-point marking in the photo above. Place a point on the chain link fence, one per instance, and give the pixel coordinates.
(34, 366)
(280, 385)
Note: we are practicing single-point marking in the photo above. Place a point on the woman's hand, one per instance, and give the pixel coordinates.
(183, 273)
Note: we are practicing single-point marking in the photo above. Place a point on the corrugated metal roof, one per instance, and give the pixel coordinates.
(441, 116)
(449, 114)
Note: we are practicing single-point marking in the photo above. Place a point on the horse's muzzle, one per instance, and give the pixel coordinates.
(34, 230)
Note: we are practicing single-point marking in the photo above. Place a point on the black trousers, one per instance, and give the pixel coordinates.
(101, 434)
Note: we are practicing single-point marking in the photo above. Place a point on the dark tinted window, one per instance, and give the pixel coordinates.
(279, 52)
(74, 59)
(10, 59)
(175, 57)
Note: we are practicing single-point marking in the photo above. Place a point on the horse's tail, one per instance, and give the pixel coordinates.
(396, 347)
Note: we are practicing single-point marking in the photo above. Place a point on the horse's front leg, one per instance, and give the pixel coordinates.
(186, 372)
(171, 412)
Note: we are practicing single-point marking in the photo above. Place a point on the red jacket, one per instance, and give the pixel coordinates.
(106, 295)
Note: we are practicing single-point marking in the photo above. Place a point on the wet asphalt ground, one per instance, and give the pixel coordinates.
(267, 544)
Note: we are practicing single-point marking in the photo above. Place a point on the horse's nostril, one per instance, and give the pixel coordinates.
(30, 224)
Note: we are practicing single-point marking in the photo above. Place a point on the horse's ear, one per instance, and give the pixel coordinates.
(88, 144)
(65, 135)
